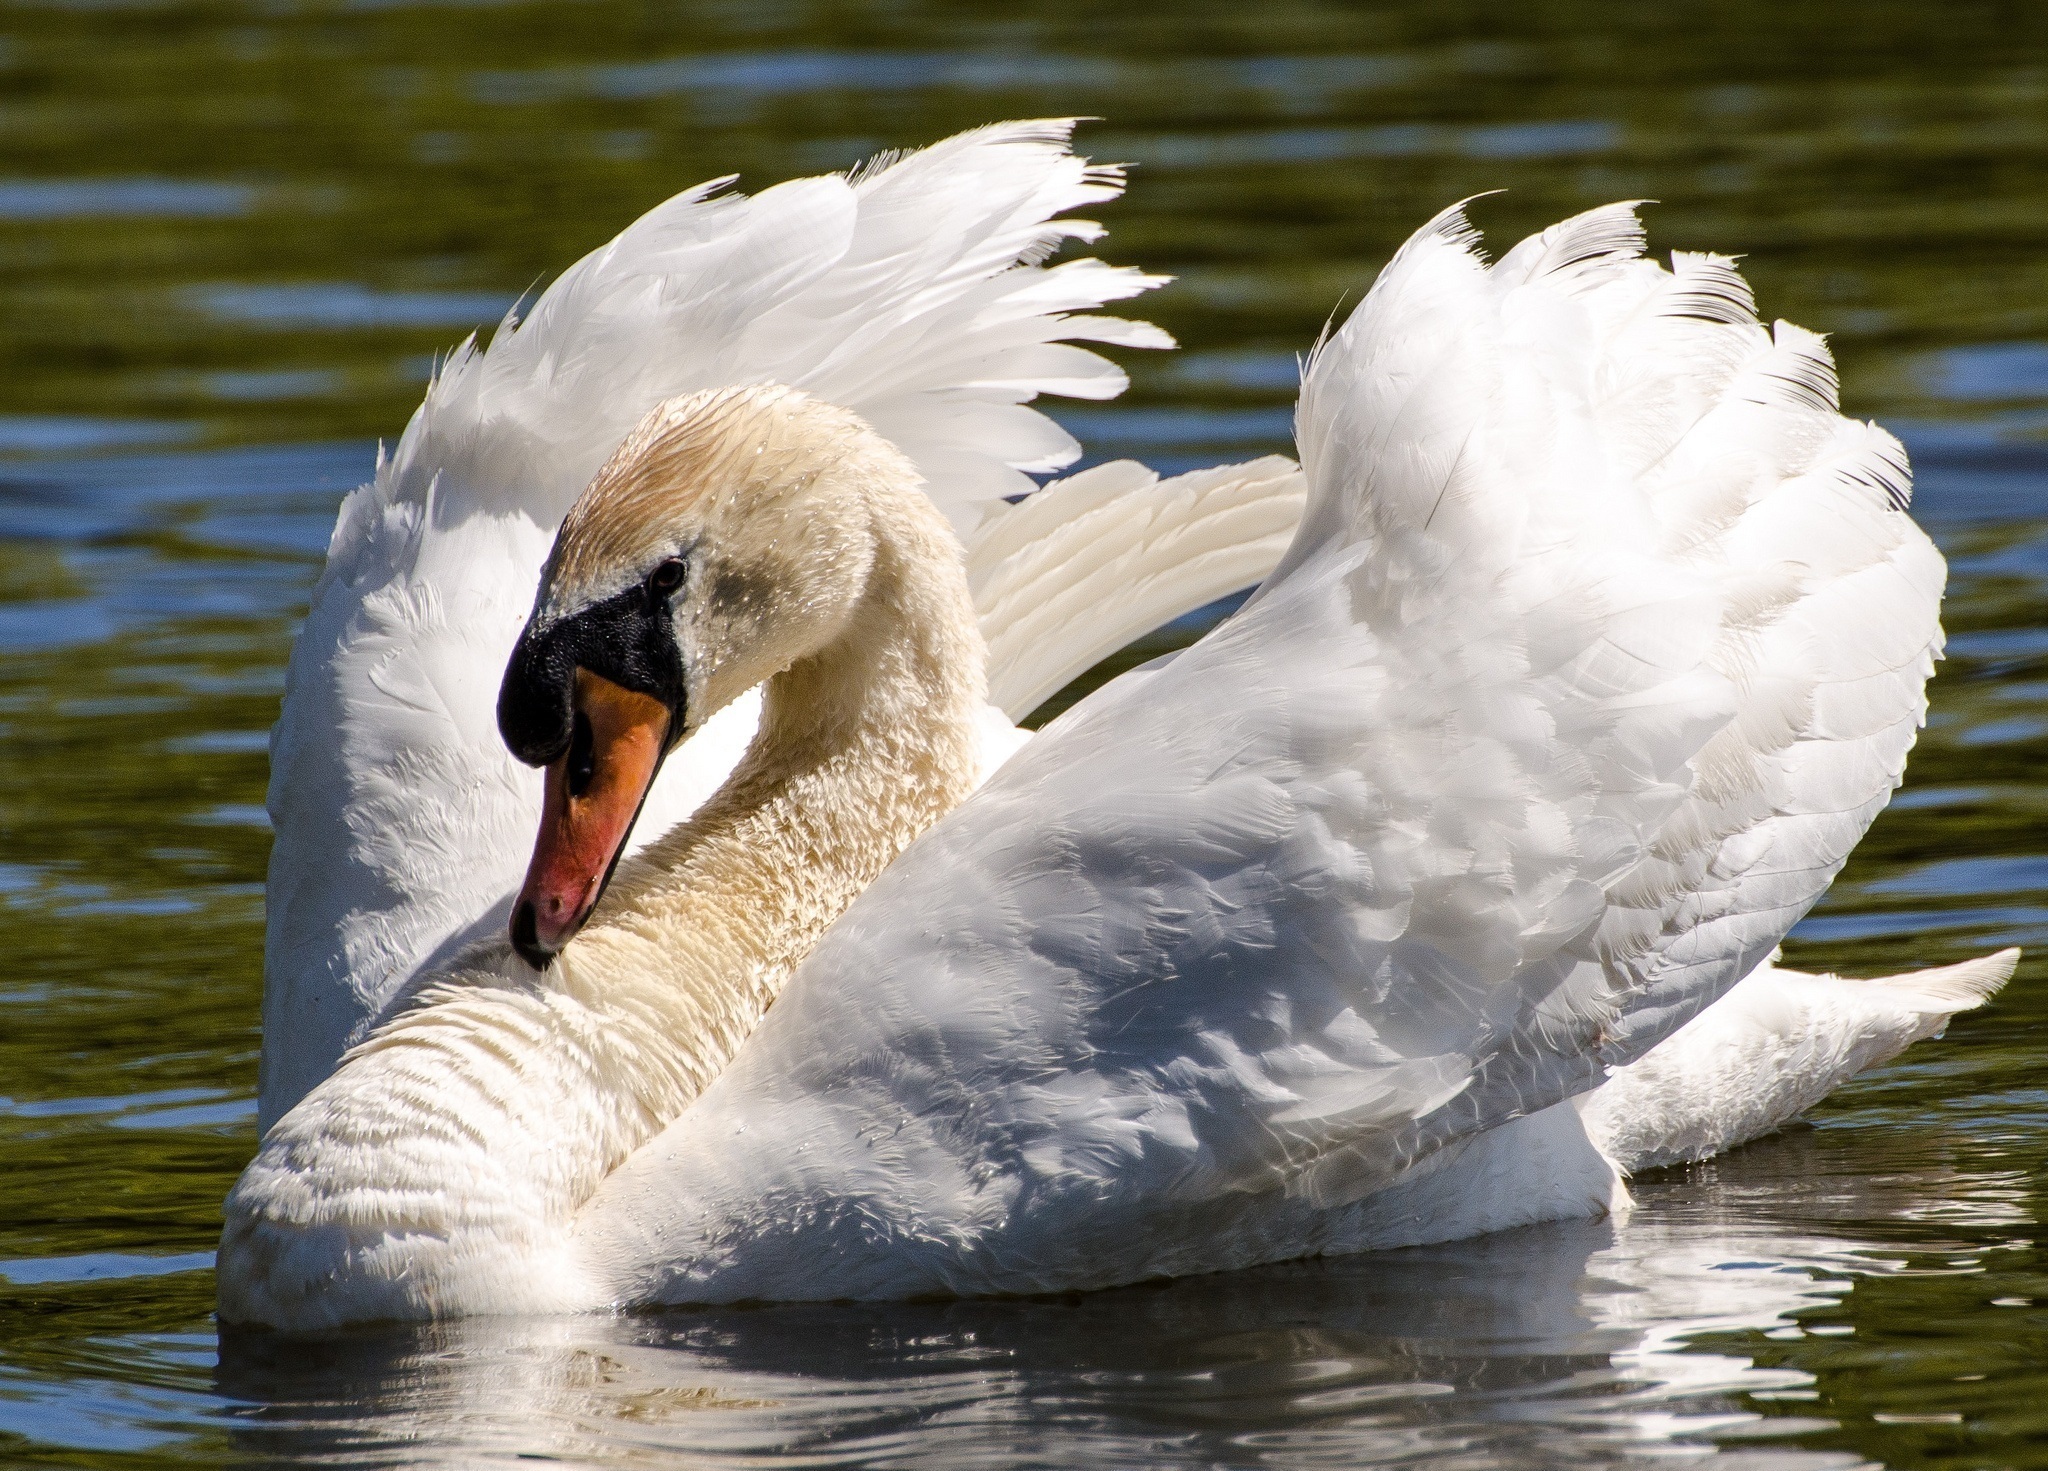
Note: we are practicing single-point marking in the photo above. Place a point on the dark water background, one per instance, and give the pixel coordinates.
(233, 234)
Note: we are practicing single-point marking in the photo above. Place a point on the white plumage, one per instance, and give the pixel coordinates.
(1601, 639)
(1769, 1050)
(1100, 559)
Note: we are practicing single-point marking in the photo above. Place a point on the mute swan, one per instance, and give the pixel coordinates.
(910, 291)
(1601, 641)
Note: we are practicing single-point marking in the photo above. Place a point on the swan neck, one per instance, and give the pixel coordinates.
(862, 744)
(527, 1091)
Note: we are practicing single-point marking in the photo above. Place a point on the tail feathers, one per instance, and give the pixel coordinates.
(1773, 1047)
(1949, 989)
(1092, 562)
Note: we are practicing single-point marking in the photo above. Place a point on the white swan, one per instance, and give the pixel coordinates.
(910, 291)
(1602, 640)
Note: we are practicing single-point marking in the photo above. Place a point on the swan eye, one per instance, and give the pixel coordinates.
(666, 578)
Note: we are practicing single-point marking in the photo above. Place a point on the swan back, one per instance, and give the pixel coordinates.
(912, 291)
(1603, 639)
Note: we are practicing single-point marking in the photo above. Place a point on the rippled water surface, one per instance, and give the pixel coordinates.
(233, 235)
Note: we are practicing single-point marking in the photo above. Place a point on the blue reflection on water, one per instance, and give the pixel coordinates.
(56, 434)
(1991, 370)
(345, 304)
(57, 199)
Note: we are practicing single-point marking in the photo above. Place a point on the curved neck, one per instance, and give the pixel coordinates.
(861, 747)
(527, 1090)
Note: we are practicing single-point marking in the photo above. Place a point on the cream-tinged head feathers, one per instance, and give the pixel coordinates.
(763, 493)
(732, 535)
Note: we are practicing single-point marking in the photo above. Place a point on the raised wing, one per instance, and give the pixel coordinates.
(1068, 576)
(912, 291)
(1602, 641)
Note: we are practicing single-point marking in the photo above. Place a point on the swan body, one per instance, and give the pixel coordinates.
(1601, 640)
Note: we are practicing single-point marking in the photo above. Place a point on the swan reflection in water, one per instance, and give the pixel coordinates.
(1519, 1348)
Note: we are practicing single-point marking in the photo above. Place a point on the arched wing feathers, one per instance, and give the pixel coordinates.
(1602, 641)
(1072, 574)
(912, 291)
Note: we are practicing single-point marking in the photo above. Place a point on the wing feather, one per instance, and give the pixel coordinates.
(1072, 574)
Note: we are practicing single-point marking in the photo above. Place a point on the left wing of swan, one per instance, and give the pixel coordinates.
(912, 291)
(1603, 639)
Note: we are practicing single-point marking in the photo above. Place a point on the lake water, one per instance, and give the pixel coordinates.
(232, 236)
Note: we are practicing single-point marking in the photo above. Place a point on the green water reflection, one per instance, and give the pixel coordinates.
(232, 237)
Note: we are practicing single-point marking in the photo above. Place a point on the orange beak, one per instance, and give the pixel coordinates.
(594, 791)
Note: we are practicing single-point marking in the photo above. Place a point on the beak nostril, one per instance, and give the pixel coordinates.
(526, 937)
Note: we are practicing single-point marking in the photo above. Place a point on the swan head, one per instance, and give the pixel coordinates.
(727, 538)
